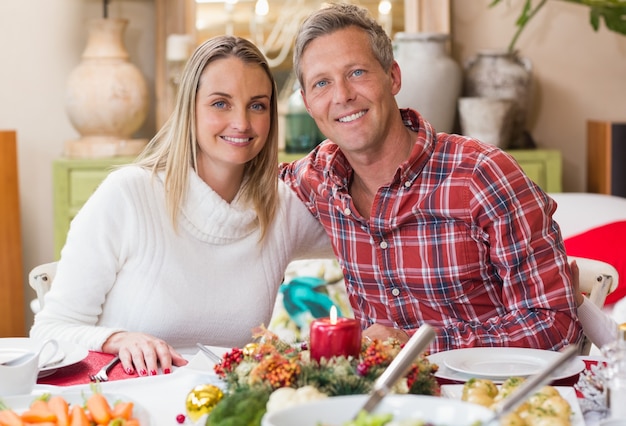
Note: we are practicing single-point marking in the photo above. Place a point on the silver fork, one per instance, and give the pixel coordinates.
(103, 374)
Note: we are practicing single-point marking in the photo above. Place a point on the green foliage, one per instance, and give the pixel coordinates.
(242, 408)
(613, 12)
(326, 380)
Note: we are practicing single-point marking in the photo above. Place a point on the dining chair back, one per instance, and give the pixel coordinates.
(40, 279)
(597, 280)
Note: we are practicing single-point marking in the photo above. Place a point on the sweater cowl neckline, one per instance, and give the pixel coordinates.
(210, 218)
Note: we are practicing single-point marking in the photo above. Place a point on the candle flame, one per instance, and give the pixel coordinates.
(333, 315)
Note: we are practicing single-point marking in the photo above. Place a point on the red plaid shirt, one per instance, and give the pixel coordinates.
(460, 239)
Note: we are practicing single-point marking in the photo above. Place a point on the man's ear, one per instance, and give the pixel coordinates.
(396, 78)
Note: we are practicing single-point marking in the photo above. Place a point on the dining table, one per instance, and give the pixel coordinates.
(164, 396)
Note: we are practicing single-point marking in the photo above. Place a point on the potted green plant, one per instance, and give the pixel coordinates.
(504, 74)
(613, 12)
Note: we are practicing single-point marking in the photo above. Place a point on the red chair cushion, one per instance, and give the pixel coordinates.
(606, 243)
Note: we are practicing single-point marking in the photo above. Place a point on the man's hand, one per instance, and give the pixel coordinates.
(382, 333)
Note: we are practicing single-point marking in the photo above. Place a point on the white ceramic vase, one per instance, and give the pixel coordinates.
(502, 75)
(431, 79)
(486, 119)
(106, 95)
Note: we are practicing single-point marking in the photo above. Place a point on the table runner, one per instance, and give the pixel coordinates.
(77, 374)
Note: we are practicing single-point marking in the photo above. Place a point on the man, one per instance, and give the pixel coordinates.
(428, 228)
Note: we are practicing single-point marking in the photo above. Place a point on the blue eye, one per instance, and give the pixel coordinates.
(219, 104)
(358, 73)
(321, 83)
(258, 107)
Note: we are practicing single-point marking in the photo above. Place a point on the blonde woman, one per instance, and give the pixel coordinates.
(190, 243)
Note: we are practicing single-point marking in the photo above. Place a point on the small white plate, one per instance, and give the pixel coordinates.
(67, 354)
(498, 364)
(20, 403)
(567, 392)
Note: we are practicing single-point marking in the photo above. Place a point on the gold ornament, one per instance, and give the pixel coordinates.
(250, 349)
(201, 400)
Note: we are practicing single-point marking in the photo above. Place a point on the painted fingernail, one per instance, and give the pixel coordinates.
(129, 370)
(153, 372)
(167, 371)
(143, 372)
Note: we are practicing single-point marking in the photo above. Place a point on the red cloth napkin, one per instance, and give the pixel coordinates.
(78, 374)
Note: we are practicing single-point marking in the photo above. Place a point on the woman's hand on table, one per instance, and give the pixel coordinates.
(143, 353)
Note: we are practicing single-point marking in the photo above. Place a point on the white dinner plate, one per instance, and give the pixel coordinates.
(67, 354)
(567, 392)
(498, 364)
(20, 403)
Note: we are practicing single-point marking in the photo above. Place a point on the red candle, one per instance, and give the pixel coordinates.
(335, 337)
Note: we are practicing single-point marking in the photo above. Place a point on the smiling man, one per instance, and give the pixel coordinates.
(428, 228)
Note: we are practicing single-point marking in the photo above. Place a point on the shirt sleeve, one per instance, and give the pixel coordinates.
(305, 234)
(527, 261)
(70, 312)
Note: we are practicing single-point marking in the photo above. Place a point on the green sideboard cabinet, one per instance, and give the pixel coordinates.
(543, 166)
(74, 181)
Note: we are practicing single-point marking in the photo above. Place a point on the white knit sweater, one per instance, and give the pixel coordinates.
(124, 267)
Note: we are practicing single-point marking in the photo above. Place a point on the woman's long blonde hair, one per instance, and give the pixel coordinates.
(174, 148)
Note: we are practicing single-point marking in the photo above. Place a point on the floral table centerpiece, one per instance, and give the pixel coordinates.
(253, 373)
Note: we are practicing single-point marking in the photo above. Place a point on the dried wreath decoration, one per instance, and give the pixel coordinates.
(273, 363)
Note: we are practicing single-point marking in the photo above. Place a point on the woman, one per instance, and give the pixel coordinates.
(190, 243)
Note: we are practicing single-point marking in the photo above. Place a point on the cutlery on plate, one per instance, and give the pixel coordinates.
(103, 374)
(215, 358)
(531, 384)
(398, 367)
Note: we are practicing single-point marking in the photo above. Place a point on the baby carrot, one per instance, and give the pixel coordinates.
(10, 418)
(39, 405)
(99, 408)
(59, 406)
(122, 410)
(78, 416)
(38, 415)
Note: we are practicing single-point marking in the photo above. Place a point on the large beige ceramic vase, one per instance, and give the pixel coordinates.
(107, 96)
(431, 79)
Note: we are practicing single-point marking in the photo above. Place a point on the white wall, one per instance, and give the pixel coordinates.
(579, 74)
(41, 41)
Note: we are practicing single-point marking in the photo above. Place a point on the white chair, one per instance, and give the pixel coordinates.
(597, 279)
(40, 279)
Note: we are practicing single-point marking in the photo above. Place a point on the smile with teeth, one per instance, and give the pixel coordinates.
(236, 140)
(351, 117)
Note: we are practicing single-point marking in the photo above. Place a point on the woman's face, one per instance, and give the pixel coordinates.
(232, 114)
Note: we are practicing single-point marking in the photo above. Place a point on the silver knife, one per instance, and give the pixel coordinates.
(399, 366)
(209, 353)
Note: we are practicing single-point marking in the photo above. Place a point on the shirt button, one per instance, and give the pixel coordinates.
(384, 245)
(347, 211)
(395, 291)
(407, 184)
